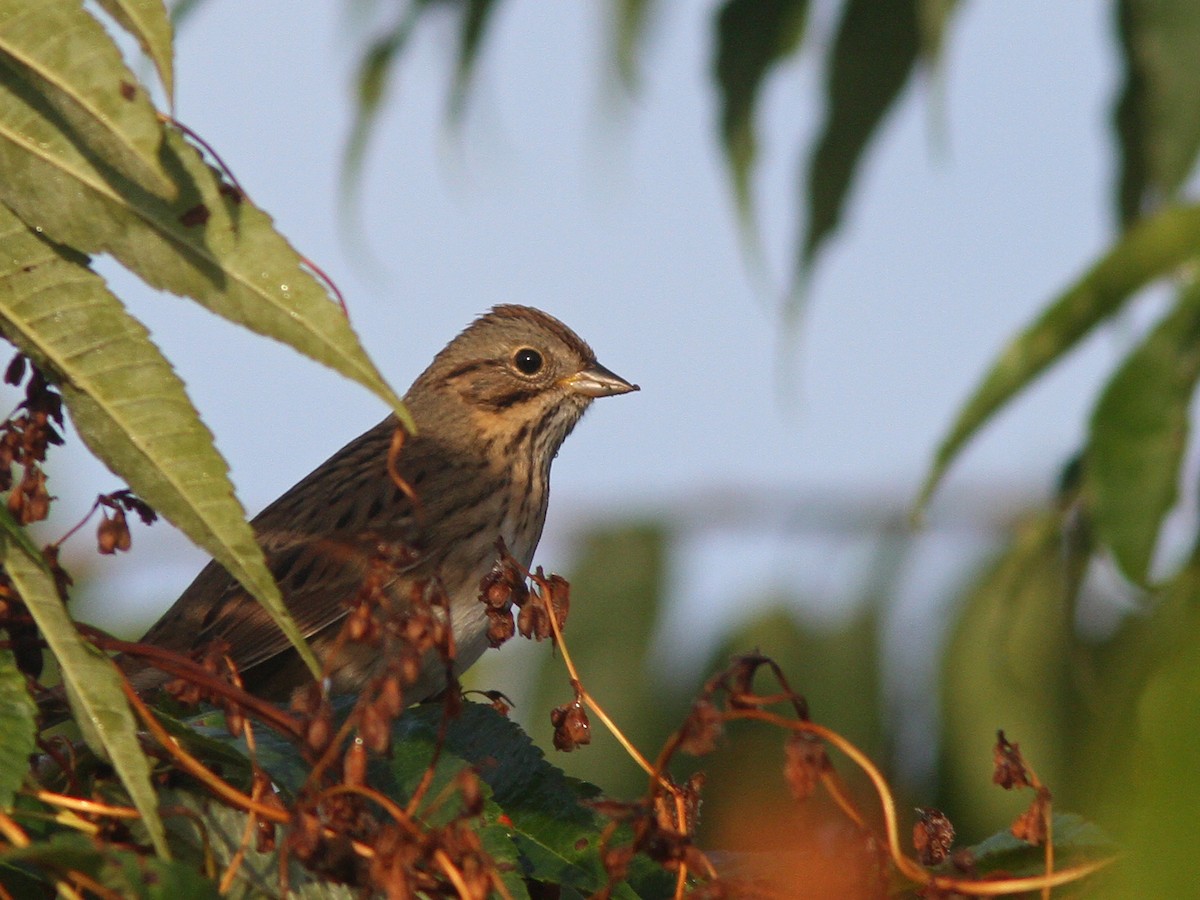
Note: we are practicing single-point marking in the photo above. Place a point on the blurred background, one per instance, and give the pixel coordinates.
(756, 493)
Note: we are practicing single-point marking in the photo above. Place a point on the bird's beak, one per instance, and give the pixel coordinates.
(597, 381)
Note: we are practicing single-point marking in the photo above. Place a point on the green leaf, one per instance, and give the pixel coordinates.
(1157, 119)
(555, 833)
(150, 25)
(128, 405)
(1076, 841)
(93, 685)
(18, 728)
(933, 16)
(210, 243)
(68, 58)
(872, 58)
(1148, 251)
(629, 28)
(475, 17)
(1138, 434)
(11, 529)
(752, 37)
(371, 84)
(1010, 663)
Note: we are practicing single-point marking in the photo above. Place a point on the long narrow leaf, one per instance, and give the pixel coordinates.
(127, 403)
(18, 728)
(93, 685)
(150, 25)
(210, 244)
(752, 37)
(67, 56)
(1148, 251)
(872, 58)
(1157, 118)
(1138, 433)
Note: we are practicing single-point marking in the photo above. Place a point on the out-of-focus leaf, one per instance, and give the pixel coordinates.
(1076, 841)
(1008, 665)
(872, 58)
(12, 530)
(1156, 799)
(933, 17)
(629, 28)
(1148, 251)
(1157, 117)
(1138, 434)
(210, 243)
(751, 37)
(18, 728)
(371, 83)
(69, 59)
(837, 670)
(553, 830)
(93, 685)
(610, 634)
(476, 15)
(148, 22)
(128, 405)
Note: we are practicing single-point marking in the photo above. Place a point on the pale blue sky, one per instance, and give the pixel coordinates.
(986, 194)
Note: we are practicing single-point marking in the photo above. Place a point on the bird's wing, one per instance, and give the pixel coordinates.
(318, 577)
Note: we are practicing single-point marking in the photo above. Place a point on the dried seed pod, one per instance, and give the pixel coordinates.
(701, 729)
(805, 764)
(933, 836)
(571, 726)
(500, 626)
(1009, 771)
(354, 764)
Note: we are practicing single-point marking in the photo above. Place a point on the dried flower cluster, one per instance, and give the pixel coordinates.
(24, 438)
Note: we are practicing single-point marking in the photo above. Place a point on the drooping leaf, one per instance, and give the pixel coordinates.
(476, 15)
(872, 58)
(1138, 434)
(150, 25)
(751, 38)
(1147, 252)
(629, 28)
(68, 58)
(18, 728)
(933, 17)
(1007, 665)
(371, 84)
(210, 243)
(1157, 118)
(127, 403)
(92, 682)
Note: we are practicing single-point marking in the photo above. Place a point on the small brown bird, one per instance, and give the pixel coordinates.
(491, 411)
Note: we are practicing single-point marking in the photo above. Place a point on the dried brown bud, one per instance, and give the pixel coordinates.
(354, 764)
(933, 836)
(113, 534)
(472, 793)
(15, 373)
(391, 695)
(1030, 826)
(1009, 770)
(571, 726)
(319, 732)
(500, 626)
(701, 729)
(374, 729)
(805, 764)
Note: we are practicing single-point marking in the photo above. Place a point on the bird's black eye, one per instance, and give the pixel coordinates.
(528, 361)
